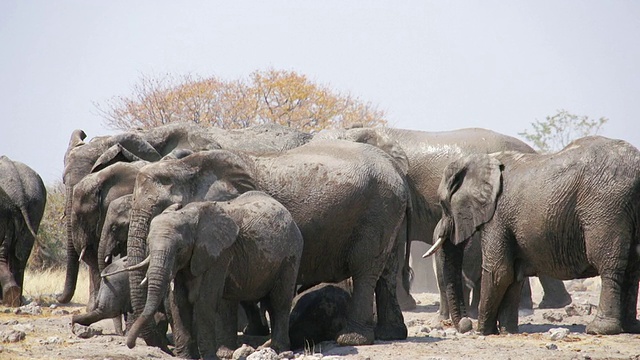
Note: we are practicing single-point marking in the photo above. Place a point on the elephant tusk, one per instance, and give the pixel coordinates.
(144, 281)
(107, 259)
(82, 253)
(142, 265)
(434, 248)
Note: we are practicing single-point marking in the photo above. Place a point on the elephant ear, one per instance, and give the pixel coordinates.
(469, 193)
(114, 154)
(215, 232)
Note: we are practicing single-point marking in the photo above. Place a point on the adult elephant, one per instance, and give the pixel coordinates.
(573, 214)
(349, 201)
(151, 145)
(91, 199)
(22, 200)
(426, 154)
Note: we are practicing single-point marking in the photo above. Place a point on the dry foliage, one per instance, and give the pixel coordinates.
(43, 285)
(49, 251)
(271, 96)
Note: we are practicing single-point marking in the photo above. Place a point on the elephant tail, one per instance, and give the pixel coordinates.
(407, 271)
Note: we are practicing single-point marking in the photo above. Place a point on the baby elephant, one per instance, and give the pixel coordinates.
(112, 300)
(318, 314)
(218, 254)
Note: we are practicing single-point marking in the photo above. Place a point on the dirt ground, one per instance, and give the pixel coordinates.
(49, 336)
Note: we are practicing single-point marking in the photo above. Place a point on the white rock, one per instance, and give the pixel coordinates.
(557, 333)
(264, 354)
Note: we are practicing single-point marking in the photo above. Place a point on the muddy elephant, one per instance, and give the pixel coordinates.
(425, 155)
(217, 254)
(22, 200)
(572, 214)
(151, 145)
(348, 199)
(112, 300)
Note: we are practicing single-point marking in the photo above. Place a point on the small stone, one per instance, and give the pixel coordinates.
(242, 352)
(24, 327)
(557, 333)
(551, 346)
(425, 329)
(30, 309)
(411, 323)
(435, 333)
(85, 332)
(12, 336)
(482, 337)
(10, 322)
(60, 312)
(53, 306)
(579, 310)
(287, 355)
(450, 332)
(552, 316)
(264, 354)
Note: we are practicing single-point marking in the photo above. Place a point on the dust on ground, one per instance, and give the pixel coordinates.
(545, 334)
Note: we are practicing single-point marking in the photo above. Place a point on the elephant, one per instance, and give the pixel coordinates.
(82, 158)
(112, 300)
(217, 254)
(23, 197)
(113, 243)
(425, 155)
(348, 199)
(318, 314)
(113, 239)
(572, 214)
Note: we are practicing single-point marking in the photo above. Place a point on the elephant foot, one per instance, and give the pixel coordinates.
(548, 302)
(631, 326)
(353, 335)
(391, 332)
(277, 346)
(11, 296)
(406, 302)
(464, 325)
(604, 326)
(253, 329)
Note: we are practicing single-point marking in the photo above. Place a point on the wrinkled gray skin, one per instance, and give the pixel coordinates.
(112, 300)
(318, 314)
(348, 200)
(218, 254)
(573, 214)
(425, 156)
(151, 145)
(22, 200)
(113, 243)
(113, 239)
(91, 199)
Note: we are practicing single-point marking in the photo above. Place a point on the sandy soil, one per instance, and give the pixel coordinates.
(49, 336)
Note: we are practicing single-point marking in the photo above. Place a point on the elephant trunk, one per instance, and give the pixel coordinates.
(89, 318)
(158, 274)
(136, 253)
(72, 255)
(103, 252)
(453, 256)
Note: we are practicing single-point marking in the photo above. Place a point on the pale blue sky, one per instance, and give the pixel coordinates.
(431, 65)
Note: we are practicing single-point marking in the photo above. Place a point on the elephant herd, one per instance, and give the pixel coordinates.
(183, 224)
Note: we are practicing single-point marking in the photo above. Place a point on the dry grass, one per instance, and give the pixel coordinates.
(43, 285)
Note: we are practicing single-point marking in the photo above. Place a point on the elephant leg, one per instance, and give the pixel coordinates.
(255, 325)
(630, 323)
(608, 318)
(494, 286)
(10, 290)
(555, 294)
(475, 299)
(117, 325)
(280, 299)
(181, 311)
(508, 312)
(226, 336)
(90, 317)
(359, 328)
(525, 302)
(390, 324)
